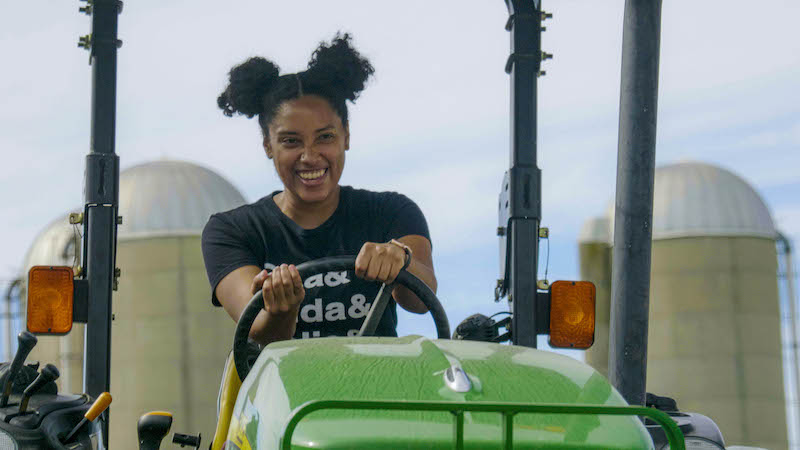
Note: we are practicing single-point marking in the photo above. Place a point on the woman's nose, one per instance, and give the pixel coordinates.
(309, 153)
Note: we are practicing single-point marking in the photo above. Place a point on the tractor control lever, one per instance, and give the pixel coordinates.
(151, 428)
(187, 440)
(99, 405)
(49, 373)
(26, 342)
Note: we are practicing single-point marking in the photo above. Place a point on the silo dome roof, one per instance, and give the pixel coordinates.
(697, 199)
(163, 198)
(56, 245)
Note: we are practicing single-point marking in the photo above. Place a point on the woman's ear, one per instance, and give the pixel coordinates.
(267, 147)
(346, 138)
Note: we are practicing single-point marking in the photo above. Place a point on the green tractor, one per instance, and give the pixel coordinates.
(412, 392)
(420, 393)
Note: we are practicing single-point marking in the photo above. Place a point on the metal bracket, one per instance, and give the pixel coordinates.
(514, 57)
(513, 17)
(520, 199)
(543, 312)
(80, 301)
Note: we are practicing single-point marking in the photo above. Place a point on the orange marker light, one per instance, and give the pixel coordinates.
(50, 291)
(572, 314)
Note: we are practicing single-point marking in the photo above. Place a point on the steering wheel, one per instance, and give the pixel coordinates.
(339, 263)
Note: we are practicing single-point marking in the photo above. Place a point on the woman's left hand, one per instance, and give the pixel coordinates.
(380, 262)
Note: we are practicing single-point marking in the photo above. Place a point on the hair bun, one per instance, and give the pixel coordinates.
(248, 83)
(340, 66)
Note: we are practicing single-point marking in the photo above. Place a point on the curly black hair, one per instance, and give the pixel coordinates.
(336, 72)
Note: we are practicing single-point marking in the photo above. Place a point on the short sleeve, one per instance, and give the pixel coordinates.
(406, 219)
(225, 249)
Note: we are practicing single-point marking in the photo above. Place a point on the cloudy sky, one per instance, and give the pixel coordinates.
(432, 124)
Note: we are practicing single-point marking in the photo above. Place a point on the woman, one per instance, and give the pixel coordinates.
(303, 119)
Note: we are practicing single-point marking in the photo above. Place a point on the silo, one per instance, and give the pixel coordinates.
(594, 255)
(714, 337)
(169, 343)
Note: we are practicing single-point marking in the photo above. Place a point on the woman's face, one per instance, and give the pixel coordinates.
(307, 141)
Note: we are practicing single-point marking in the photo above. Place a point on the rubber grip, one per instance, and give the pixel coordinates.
(98, 406)
(26, 341)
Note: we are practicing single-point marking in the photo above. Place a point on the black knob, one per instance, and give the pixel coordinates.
(151, 428)
(26, 341)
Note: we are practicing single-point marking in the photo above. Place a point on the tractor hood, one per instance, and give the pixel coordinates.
(290, 373)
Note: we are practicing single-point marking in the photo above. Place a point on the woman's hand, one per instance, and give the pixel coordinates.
(380, 262)
(282, 290)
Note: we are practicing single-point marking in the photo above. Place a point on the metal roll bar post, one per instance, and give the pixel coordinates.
(101, 191)
(633, 217)
(523, 179)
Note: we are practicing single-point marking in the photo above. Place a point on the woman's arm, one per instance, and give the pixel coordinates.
(282, 291)
(421, 266)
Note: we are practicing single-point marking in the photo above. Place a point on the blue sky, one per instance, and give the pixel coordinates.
(433, 124)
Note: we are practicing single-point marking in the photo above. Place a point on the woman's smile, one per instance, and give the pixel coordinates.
(313, 177)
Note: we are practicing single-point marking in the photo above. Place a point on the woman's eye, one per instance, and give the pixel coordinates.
(327, 137)
(290, 141)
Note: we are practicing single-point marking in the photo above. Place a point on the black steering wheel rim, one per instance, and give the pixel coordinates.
(335, 263)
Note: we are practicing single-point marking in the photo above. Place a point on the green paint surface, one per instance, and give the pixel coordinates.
(291, 373)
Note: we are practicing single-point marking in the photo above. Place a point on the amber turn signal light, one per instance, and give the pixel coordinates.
(572, 314)
(50, 298)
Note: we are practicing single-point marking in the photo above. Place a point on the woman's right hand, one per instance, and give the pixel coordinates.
(282, 290)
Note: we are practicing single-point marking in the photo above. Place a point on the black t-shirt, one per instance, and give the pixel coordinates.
(336, 303)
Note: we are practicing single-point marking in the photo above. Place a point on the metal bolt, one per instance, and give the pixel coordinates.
(114, 285)
(75, 218)
(501, 231)
(118, 43)
(117, 272)
(85, 41)
(546, 15)
(119, 220)
(86, 9)
(544, 232)
(77, 271)
(544, 29)
(541, 73)
(546, 56)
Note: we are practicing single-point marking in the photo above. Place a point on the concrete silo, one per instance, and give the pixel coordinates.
(169, 343)
(595, 266)
(714, 337)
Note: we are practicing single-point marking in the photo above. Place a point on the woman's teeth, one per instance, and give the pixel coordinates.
(311, 174)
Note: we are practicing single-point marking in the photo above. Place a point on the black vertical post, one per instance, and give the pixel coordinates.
(633, 217)
(101, 191)
(524, 176)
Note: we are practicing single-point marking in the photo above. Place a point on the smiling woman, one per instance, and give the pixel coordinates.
(305, 130)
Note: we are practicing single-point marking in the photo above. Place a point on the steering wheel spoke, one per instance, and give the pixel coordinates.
(376, 311)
